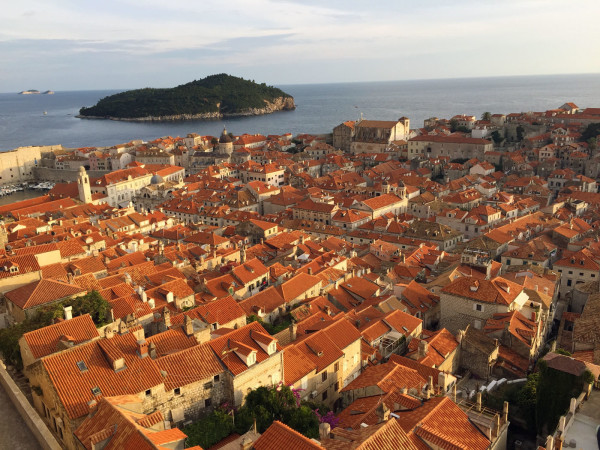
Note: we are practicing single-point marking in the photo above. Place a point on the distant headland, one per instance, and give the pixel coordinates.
(34, 91)
(213, 97)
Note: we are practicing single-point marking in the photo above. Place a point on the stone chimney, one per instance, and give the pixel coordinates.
(167, 317)
(324, 430)
(423, 348)
(68, 312)
(188, 326)
(152, 350)
(383, 413)
(505, 412)
(550, 443)
(246, 443)
(142, 348)
(293, 331)
(479, 401)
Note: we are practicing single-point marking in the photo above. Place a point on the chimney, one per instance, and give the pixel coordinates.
(423, 349)
(293, 331)
(479, 401)
(68, 312)
(188, 326)
(142, 348)
(561, 424)
(550, 443)
(167, 317)
(383, 413)
(454, 392)
(324, 430)
(505, 413)
(246, 443)
(152, 350)
(92, 405)
(310, 270)
(430, 384)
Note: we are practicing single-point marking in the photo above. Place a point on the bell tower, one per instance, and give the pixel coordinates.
(83, 185)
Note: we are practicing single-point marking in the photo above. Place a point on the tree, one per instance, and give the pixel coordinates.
(497, 137)
(486, 116)
(266, 404)
(591, 131)
(553, 395)
(210, 429)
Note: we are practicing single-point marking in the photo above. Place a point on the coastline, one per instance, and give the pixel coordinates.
(279, 104)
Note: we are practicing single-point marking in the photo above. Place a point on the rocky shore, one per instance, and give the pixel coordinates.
(279, 104)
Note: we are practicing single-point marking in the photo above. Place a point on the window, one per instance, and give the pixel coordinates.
(324, 376)
(569, 282)
(580, 274)
(478, 307)
(148, 392)
(208, 385)
(96, 391)
(216, 378)
(177, 391)
(207, 403)
(336, 367)
(337, 386)
(304, 383)
(324, 396)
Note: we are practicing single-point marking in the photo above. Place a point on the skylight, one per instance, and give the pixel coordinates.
(81, 366)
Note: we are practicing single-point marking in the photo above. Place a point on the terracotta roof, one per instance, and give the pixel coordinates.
(224, 347)
(498, 290)
(44, 341)
(41, 292)
(280, 436)
(183, 368)
(74, 385)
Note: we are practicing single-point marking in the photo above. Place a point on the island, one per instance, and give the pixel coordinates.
(214, 97)
(35, 91)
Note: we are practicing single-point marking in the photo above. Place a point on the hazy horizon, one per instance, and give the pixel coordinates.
(322, 83)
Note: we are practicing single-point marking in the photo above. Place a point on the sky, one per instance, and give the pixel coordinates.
(75, 44)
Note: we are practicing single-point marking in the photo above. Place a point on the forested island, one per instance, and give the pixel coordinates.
(213, 97)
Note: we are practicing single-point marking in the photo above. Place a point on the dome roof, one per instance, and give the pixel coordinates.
(156, 179)
(225, 138)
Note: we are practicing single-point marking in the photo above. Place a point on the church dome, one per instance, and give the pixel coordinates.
(156, 179)
(225, 138)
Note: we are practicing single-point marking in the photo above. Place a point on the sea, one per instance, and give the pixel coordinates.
(51, 119)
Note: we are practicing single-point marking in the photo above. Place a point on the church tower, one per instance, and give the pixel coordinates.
(225, 143)
(83, 185)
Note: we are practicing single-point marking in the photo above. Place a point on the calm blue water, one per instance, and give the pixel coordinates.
(320, 107)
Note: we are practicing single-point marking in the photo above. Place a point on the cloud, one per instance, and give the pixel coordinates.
(292, 40)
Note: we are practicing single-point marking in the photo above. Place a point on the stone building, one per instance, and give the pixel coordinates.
(252, 358)
(478, 352)
(374, 136)
(343, 134)
(471, 301)
(323, 363)
(454, 147)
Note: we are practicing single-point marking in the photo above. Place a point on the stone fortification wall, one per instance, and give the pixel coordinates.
(63, 176)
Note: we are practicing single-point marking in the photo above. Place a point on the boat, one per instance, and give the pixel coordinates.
(45, 113)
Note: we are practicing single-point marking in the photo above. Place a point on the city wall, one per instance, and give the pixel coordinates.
(62, 176)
